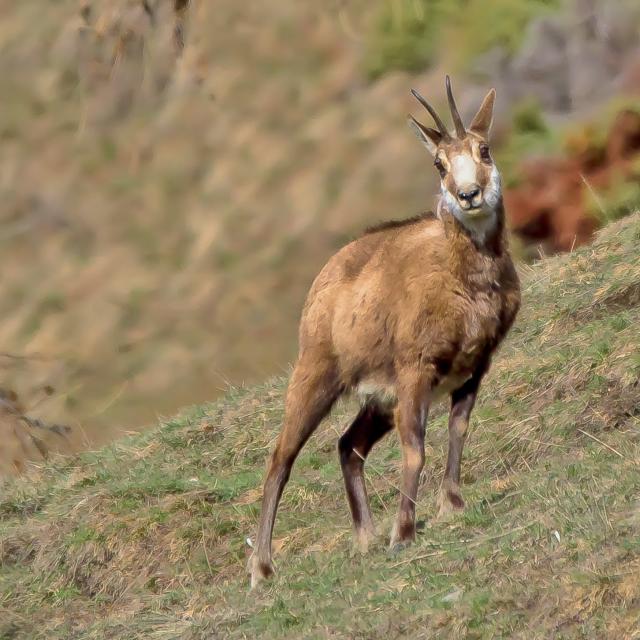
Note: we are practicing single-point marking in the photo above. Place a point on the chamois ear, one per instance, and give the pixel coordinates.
(429, 137)
(481, 123)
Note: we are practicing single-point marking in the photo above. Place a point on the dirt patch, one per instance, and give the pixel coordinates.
(616, 410)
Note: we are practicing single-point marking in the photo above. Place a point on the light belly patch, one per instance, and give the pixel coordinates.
(384, 393)
(374, 391)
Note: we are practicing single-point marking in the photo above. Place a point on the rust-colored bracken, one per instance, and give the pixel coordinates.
(550, 206)
(409, 311)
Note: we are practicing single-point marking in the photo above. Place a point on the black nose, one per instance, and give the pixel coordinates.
(469, 195)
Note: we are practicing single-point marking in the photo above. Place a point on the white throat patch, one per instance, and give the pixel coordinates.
(479, 223)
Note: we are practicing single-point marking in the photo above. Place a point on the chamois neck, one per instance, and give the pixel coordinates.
(473, 259)
(486, 236)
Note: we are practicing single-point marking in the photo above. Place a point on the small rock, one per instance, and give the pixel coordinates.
(453, 596)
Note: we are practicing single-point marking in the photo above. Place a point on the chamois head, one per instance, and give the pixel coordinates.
(469, 180)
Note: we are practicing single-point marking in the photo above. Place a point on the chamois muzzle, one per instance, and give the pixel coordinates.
(470, 197)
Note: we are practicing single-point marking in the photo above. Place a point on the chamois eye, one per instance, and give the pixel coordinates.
(439, 166)
(485, 155)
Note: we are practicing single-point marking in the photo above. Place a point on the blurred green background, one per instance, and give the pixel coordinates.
(174, 173)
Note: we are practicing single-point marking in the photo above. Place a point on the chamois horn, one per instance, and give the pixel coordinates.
(461, 132)
(432, 112)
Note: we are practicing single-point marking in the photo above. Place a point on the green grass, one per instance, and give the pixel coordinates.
(413, 34)
(146, 538)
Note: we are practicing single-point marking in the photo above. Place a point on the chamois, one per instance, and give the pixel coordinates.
(409, 311)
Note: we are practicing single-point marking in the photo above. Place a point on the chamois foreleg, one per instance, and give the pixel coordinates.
(370, 425)
(312, 391)
(410, 420)
(462, 402)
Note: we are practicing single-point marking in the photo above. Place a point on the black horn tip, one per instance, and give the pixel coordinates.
(447, 82)
(457, 120)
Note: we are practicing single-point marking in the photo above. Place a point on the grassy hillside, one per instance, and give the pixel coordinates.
(146, 538)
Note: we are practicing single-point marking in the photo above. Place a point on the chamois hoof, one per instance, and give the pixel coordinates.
(402, 537)
(449, 502)
(259, 571)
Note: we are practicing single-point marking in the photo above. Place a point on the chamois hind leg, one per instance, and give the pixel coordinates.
(312, 391)
(462, 401)
(370, 425)
(410, 418)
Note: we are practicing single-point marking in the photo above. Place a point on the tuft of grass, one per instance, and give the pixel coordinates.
(146, 538)
(619, 199)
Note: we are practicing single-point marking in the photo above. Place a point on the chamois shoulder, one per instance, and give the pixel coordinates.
(350, 261)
